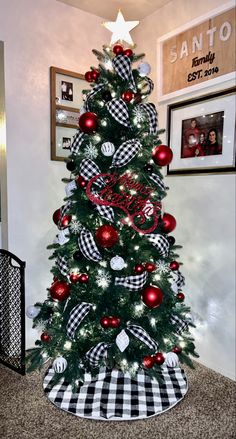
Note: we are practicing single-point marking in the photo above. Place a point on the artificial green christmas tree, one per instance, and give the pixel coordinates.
(115, 309)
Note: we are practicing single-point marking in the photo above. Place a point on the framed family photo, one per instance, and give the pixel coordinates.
(201, 134)
(66, 101)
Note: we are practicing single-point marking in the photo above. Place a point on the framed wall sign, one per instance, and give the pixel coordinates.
(201, 134)
(198, 54)
(66, 101)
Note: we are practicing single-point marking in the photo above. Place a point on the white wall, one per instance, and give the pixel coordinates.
(204, 206)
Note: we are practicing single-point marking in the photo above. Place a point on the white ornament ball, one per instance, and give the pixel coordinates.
(117, 263)
(144, 69)
(108, 149)
(32, 311)
(171, 359)
(59, 364)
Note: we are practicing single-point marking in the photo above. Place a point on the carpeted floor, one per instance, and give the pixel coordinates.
(206, 412)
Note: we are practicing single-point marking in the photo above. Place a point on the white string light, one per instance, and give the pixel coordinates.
(67, 345)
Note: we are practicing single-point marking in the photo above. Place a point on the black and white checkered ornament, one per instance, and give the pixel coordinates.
(180, 325)
(62, 265)
(143, 336)
(97, 353)
(160, 242)
(154, 177)
(119, 111)
(88, 247)
(89, 169)
(77, 142)
(125, 153)
(133, 283)
(122, 66)
(92, 93)
(151, 111)
(77, 315)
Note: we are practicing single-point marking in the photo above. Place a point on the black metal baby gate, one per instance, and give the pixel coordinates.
(12, 311)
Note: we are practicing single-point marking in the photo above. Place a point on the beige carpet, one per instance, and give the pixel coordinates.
(206, 412)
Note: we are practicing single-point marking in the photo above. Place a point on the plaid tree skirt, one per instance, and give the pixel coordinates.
(114, 396)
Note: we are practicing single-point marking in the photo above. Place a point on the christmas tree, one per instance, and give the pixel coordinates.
(116, 300)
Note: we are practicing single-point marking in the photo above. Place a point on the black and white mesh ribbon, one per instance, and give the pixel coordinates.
(180, 325)
(89, 169)
(96, 353)
(77, 315)
(142, 335)
(77, 142)
(106, 212)
(88, 247)
(125, 153)
(154, 177)
(134, 283)
(149, 86)
(122, 65)
(160, 242)
(62, 265)
(92, 93)
(119, 111)
(151, 111)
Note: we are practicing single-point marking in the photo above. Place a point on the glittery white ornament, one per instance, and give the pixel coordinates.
(107, 149)
(144, 69)
(117, 263)
(32, 311)
(59, 364)
(122, 340)
(171, 359)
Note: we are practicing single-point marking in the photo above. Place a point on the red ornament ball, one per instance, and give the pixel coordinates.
(159, 358)
(95, 75)
(105, 322)
(150, 267)
(45, 337)
(180, 297)
(81, 182)
(148, 362)
(162, 155)
(128, 52)
(114, 322)
(60, 290)
(88, 122)
(177, 350)
(74, 277)
(107, 236)
(169, 223)
(88, 76)
(174, 265)
(84, 278)
(152, 296)
(127, 96)
(139, 268)
(118, 49)
(65, 221)
(56, 216)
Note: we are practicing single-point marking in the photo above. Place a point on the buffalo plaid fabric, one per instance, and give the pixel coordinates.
(134, 283)
(77, 142)
(89, 169)
(88, 247)
(77, 315)
(126, 152)
(96, 353)
(149, 86)
(104, 211)
(151, 111)
(154, 177)
(92, 93)
(180, 325)
(119, 111)
(160, 242)
(180, 280)
(113, 395)
(122, 66)
(62, 265)
(142, 335)
(63, 211)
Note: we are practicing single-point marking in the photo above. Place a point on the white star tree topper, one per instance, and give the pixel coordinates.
(121, 29)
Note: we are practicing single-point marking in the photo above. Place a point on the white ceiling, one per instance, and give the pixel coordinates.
(108, 9)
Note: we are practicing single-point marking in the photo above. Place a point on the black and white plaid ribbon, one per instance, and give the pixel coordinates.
(180, 325)
(126, 152)
(149, 86)
(96, 353)
(77, 315)
(88, 170)
(104, 211)
(77, 142)
(142, 335)
(160, 242)
(62, 265)
(92, 93)
(88, 247)
(122, 65)
(154, 177)
(180, 281)
(134, 283)
(151, 111)
(64, 211)
(70, 188)
(119, 111)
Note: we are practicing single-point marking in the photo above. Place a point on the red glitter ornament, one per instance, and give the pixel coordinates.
(81, 182)
(88, 76)
(105, 322)
(152, 296)
(169, 223)
(83, 278)
(114, 322)
(45, 337)
(60, 290)
(65, 221)
(74, 277)
(174, 265)
(159, 358)
(95, 75)
(139, 268)
(118, 49)
(177, 350)
(107, 236)
(150, 267)
(162, 155)
(88, 122)
(148, 362)
(128, 52)
(127, 96)
(180, 297)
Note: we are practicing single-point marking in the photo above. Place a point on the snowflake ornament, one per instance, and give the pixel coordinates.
(103, 279)
(75, 226)
(162, 267)
(139, 115)
(91, 151)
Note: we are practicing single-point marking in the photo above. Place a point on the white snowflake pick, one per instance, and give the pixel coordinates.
(75, 226)
(91, 151)
(138, 114)
(103, 279)
(122, 340)
(163, 267)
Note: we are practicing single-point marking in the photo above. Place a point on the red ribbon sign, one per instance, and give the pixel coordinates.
(138, 206)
